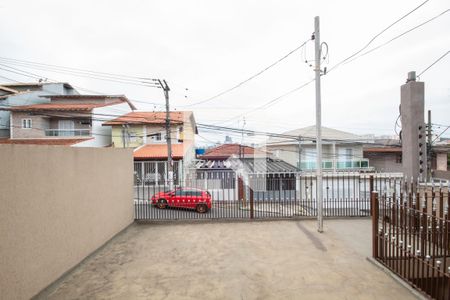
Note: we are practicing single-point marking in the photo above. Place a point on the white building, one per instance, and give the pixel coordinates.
(341, 150)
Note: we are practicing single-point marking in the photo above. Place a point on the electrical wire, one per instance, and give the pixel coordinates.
(268, 103)
(400, 35)
(377, 35)
(250, 78)
(39, 77)
(435, 62)
(123, 81)
(113, 75)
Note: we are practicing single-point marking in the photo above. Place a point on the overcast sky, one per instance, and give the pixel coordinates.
(209, 46)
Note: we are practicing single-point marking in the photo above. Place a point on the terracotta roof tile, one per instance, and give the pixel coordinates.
(227, 150)
(57, 107)
(159, 151)
(144, 117)
(50, 141)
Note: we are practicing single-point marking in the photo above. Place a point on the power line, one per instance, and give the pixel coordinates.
(250, 78)
(77, 69)
(377, 35)
(440, 134)
(270, 102)
(84, 75)
(365, 53)
(37, 76)
(10, 79)
(435, 62)
(400, 35)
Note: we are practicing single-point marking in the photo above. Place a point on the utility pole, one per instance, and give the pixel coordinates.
(429, 138)
(317, 70)
(166, 90)
(299, 153)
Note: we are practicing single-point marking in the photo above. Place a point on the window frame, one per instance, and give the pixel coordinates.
(27, 123)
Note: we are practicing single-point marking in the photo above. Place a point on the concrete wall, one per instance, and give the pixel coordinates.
(58, 205)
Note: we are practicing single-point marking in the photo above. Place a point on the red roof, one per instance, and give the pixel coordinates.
(159, 151)
(227, 150)
(57, 107)
(383, 150)
(50, 141)
(145, 117)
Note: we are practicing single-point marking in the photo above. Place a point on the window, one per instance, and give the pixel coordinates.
(180, 134)
(155, 137)
(348, 153)
(26, 123)
(133, 137)
(180, 193)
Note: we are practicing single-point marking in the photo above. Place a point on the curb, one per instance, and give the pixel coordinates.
(412, 290)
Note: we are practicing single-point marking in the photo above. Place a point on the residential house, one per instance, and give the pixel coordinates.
(225, 169)
(17, 94)
(440, 160)
(341, 150)
(74, 120)
(384, 154)
(146, 132)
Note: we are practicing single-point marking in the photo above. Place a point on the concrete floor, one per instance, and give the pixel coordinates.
(258, 260)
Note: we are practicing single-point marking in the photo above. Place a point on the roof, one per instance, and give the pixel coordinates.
(48, 141)
(227, 150)
(122, 98)
(9, 90)
(382, 150)
(146, 117)
(251, 165)
(310, 133)
(35, 84)
(57, 107)
(159, 151)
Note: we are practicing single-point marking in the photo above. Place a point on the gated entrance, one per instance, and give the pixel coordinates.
(255, 196)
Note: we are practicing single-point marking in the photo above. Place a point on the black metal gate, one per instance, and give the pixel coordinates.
(255, 196)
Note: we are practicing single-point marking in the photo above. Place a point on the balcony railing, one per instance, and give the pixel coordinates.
(340, 165)
(67, 132)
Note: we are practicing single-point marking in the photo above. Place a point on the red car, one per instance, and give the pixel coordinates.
(184, 197)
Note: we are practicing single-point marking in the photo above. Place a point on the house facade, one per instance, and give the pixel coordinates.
(19, 94)
(386, 158)
(342, 151)
(63, 118)
(146, 133)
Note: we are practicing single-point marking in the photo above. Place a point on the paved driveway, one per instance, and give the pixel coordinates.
(249, 260)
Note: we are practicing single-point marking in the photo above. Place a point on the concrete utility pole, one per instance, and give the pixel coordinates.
(166, 90)
(299, 153)
(317, 70)
(413, 128)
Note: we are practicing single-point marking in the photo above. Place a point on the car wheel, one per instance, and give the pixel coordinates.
(201, 208)
(162, 203)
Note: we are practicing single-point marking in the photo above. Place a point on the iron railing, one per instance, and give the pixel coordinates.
(67, 132)
(262, 195)
(411, 236)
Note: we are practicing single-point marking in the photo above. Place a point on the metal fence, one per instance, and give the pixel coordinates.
(260, 196)
(411, 236)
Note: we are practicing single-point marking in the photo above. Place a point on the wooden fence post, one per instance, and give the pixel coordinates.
(375, 213)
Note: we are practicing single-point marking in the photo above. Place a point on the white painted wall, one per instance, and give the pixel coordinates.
(102, 134)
